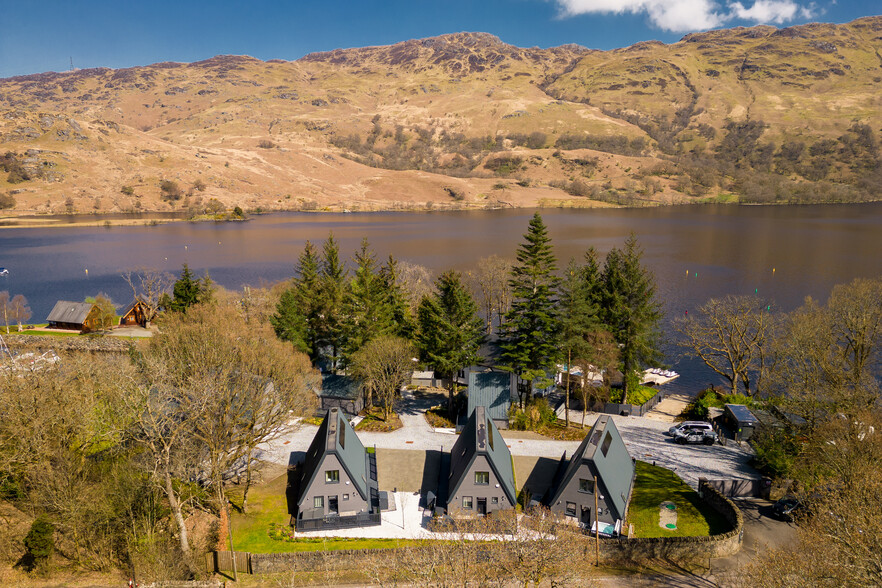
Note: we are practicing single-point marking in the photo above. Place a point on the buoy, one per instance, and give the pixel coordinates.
(696, 274)
(773, 270)
(687, 313)
(756, 290)
(87, 271)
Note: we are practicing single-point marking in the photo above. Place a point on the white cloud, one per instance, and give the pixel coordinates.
(681, 16)
(770, 11)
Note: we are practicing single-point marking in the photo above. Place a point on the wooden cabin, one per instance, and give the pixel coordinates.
(135, 314)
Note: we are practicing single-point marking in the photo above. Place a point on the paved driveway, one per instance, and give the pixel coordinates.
(644, 438)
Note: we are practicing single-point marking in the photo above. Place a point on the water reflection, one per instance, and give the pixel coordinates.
(695, 252)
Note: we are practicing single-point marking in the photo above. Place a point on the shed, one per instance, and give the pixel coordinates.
(341, 392)
(69, 315)
(135, 314)
(493, 390)
(741, 419)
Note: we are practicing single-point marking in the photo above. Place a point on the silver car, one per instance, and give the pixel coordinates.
(689, 425)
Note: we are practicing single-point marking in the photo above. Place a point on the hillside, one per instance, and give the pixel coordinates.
(462, 120)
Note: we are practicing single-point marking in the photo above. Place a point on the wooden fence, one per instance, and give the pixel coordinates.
(222, 561)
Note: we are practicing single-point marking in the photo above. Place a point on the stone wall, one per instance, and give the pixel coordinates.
(342, 559)
(79, 343)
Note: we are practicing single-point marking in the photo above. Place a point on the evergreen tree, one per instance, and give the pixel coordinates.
(450, 330)
(529, 338)
(579, 318)
(333, 290)
(188, 291)
(402, 322)
(631, 311)
(298, 312)
(367, 313)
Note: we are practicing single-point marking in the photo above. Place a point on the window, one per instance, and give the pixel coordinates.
(494, 500)
(467, 502)
(345, 497)
(342, 436)
(571, 509)
(332, 476)
(318, 502)
(482, 478)
(607, 441)
(586, 486)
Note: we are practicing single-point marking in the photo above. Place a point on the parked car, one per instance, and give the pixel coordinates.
(695, 436)
(690, 425)
(787, 508)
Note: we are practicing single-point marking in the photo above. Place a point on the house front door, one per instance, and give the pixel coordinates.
(585, 519)
(482, 506)
(333, 505)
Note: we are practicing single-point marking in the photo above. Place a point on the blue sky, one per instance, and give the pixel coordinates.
(44, 36)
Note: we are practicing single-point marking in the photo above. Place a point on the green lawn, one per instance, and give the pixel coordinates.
(267, 505)
(47, 333)
(655, 485)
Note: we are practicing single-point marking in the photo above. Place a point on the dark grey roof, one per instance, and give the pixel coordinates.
(131, 306)
(614, 468)
(491, 389)
(69, 312)
(480, 436)
(742, 414)
(336, 386)
(336, 436)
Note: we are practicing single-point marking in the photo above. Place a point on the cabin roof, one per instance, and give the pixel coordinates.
(481, 437)
(490, 389)
(604, 451)
(336, 436)
(69, 312)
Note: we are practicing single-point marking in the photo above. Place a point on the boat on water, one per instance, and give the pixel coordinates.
(4, 271)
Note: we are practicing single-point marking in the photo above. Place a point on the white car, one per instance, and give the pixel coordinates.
(695, 425)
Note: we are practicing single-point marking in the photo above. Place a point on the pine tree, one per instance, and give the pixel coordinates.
(450, 330)
(631, 311)
(530, 332)
(367, 312)
(402, 321)
(333, 289)
(188, 291)
(298, 312)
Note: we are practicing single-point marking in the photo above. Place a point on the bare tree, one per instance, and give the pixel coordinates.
(19, 310)
(103, 313)
(415, 281)
(856, 313)
(729, 335)
(491, 283)
(383, 365)
(4, 308)
(148, 285)
(601, 359)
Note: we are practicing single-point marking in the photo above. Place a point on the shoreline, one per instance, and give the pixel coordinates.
(29, 220)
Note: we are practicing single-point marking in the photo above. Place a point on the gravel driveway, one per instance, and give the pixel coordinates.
(644, 438)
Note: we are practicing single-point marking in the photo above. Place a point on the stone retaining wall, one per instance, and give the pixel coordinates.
(341, 559)
(79, 343)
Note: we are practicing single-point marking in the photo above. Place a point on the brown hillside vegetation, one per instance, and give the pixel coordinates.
(459, 121)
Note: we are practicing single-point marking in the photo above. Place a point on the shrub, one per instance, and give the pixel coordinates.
(170, 190)
(7, 201)
(127, 190)
(199, 185)
(40, 543)
(265, 144)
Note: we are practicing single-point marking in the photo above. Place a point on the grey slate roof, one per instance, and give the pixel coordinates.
(69, 312)
(335, 435)
(480, 436)
(491, 389)
(614, 469)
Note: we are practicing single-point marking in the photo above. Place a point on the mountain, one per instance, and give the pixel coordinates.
(458, 121)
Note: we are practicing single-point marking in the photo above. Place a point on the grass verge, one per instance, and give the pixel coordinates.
(655, 485)
(373, 421)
